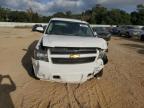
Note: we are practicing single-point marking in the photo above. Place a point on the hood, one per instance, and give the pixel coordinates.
(73, 41)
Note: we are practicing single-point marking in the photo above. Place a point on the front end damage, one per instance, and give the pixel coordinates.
(68, 64)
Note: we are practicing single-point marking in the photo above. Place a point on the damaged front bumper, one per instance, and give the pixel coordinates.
(66, 73)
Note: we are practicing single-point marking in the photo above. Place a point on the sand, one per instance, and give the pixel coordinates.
(122, 84)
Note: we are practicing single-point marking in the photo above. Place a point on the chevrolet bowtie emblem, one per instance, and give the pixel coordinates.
(74, 56)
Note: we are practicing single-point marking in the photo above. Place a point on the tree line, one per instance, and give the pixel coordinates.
(96, 15)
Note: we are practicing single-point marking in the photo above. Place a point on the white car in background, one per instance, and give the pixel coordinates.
(69, 52)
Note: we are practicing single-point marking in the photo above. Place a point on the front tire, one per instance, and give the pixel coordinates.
(99, 75)
(33, 74)
(105, 59)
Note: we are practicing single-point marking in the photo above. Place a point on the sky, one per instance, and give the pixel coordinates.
(49, 7)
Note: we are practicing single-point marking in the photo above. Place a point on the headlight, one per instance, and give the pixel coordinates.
(101, 53)
(103, 56)
(41, 54)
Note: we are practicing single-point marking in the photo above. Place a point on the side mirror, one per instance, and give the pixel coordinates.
(95, 34)
(40, 29)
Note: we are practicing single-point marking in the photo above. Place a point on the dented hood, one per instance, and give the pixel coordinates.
(73, 41)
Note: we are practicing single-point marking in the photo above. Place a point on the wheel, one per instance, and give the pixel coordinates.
(32, 71)
(99, 75)
(128, 35)
(32, 74)
(105, 59)
(120, 34)
(142, 38)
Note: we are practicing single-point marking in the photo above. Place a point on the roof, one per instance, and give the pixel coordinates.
(67, 19)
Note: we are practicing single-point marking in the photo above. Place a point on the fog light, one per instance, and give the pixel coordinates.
(41, 75)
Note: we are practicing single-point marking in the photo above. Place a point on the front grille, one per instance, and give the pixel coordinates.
(73, 60)
(59, 50)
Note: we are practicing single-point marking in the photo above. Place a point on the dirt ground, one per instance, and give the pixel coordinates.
(122, 85)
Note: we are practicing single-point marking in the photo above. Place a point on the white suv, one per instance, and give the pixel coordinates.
(68, 52)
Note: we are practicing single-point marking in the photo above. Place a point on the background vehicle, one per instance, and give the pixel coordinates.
(69, 52)
(130, 31)
(102, 32)
(44, 27)
(115, 30)
(35, 26)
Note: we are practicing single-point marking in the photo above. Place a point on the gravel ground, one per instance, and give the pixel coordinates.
(122, 85)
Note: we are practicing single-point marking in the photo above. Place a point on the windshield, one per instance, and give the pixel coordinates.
(69, 29)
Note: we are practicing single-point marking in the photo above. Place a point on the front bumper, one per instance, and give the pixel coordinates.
(66, 73)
